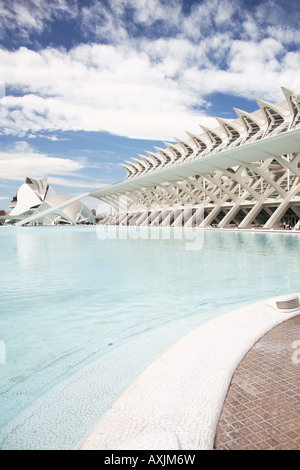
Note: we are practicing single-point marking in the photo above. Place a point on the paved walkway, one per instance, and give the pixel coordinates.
(184, 391)
(262, 407)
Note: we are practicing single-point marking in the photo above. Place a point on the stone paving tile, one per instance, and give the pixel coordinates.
(262, 408)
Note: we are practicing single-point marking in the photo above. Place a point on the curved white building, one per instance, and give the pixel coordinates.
(37, 203)
(245, 171)
(31, 195)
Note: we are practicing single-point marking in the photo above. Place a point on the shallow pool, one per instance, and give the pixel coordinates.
(83, 310)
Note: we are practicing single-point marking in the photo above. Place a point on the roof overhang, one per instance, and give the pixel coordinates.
(268, 147)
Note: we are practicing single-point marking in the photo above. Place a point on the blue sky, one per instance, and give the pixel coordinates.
(86, 85)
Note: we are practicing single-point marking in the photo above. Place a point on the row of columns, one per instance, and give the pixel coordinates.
(275, 181)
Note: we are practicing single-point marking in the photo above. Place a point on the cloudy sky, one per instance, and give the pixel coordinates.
(85, 85)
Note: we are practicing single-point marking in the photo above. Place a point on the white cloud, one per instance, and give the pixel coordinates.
(127, 92)
(52, 138)
(21, 160)
(128, 97)
(103, 22)
(86, 184)
(145, 88)
(26, 16)
(2, 92)
(148, 12)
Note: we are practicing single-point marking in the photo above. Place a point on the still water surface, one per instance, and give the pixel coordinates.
(69, 296)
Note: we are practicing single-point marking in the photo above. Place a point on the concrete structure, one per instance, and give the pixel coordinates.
(245, 172)
(176, 403)
(3, 214)
(37, 203)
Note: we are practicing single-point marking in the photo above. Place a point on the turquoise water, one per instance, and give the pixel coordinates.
(70, 296)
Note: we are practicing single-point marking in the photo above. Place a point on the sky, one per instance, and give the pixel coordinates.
(87, 85)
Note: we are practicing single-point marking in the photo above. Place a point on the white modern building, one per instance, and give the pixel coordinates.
(37, 203)
(244, 172)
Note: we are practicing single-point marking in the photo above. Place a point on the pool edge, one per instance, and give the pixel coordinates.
(176, 402)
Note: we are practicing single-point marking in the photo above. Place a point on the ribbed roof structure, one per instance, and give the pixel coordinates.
(245, 171)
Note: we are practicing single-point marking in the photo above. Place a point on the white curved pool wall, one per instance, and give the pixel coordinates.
(176, 402)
